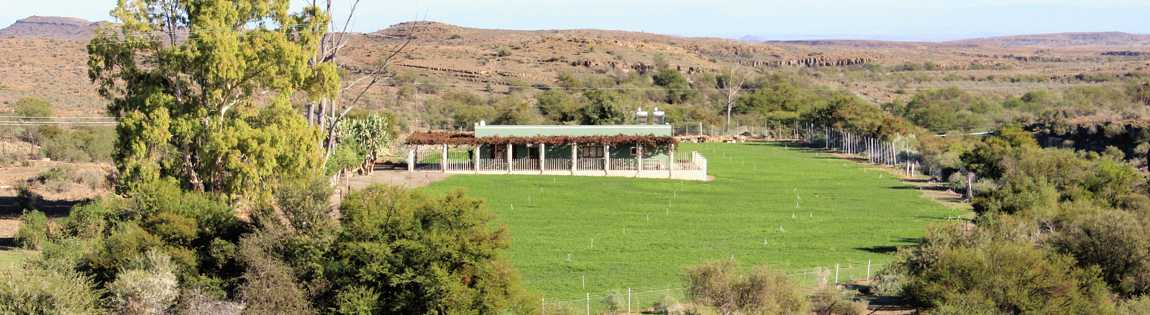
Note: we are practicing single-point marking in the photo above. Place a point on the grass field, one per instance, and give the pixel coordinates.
(791, 209)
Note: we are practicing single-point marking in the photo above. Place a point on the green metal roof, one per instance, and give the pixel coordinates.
(572, 131)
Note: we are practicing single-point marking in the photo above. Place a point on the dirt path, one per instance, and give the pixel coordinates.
(394, 178)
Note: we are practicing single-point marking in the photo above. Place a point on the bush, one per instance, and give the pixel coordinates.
(33, 107)
(831, 300)
(413, 252)
(719, 285)
(1137, 306)
(39, 291)
(62, 255)
(1014, 277)
(613, 301)
(270, 286)
(1116, 242)
(33, 233)
(150, 287)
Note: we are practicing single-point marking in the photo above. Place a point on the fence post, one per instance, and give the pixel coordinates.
(868, 270)
(542, 157)
(510, 157)
(588, 303)
(475, 157)
(574, 157)
(836, 274)
(628, 300)
(606, 158)
(411, 159)
(443, 160)
(542, 305)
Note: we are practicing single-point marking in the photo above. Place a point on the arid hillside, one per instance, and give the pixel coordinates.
(45, 57)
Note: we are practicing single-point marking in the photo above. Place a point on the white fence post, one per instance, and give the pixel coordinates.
(542, 157)
(574, 157)
(411, 159)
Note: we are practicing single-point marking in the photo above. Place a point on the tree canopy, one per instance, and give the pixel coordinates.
(203, 91)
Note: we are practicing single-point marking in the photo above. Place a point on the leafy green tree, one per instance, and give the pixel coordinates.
(212, 107)
(404, 252)
(558, 106)
(677, 87)
(602, 108)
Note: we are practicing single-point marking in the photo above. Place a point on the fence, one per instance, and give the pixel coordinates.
(637, 300)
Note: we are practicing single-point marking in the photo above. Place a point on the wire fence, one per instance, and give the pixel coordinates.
(657, 299)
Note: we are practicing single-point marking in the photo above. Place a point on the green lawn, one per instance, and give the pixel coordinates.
(791, 209)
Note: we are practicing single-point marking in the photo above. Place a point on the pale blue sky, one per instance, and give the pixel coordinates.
(773, 19)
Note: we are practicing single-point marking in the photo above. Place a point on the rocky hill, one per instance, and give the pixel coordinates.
(46, 57)
(51, 27)
(1062, 40)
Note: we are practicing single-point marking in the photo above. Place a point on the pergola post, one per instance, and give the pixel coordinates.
(411, 158)
(606, 158)
(574, 157)
(443, 160)
(671, 161)
(639, 157)
(542, 157)
(475, 158)
(510, 158)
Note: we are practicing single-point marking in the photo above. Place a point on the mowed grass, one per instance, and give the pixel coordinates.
(791, 209)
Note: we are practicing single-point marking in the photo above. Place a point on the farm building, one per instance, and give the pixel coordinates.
(646, 151)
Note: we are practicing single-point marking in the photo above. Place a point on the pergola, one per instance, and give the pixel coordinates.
(555, 150)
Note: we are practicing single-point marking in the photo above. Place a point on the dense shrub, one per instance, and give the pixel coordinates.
(40, 291)
(33, 233)
(720, 285)
(411, 251)
(150, 287)
(830, 300)
(1115, 241)
(1013, 277)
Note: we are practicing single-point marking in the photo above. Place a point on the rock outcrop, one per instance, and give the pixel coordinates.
(51, 27)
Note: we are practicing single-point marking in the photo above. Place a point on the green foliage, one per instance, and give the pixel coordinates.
(677, 87)
(32, 107)
(83, 144)
(1117, 242)
(33, 233)
(368, 136)
(558, 106)
(412, 251)
(149, 287)
(212, 110)
(720, 285)
(1015, 278)
(943, 110)
(40, 291)
(602, 108)
(831, 300)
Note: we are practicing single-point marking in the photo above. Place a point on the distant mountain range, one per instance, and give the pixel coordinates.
(75, 28)
(51, 27)
(46, 57)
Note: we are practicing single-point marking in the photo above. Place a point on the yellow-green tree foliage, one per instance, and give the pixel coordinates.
(203, 91)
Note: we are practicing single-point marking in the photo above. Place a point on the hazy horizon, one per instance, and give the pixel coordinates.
(927, 20)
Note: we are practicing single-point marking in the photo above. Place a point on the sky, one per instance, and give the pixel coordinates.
(924, 20)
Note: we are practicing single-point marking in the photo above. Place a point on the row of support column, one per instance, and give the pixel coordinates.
(443, 167)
